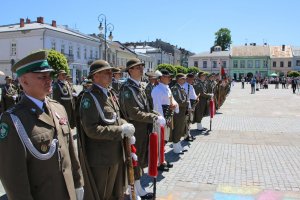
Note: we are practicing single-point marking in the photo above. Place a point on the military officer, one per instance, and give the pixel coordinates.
(116, 84)
(165, 104)
(37, 155)
(9, 94)
(136, 109)
(63, 93)
(102, 131)
(202, 106)
(180, 124)
(193, 100)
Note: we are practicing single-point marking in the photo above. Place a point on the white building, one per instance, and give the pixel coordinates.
(19, 40)
(211, 61)
(296, 58)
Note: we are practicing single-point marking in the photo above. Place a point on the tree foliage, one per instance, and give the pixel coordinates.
(223, 38)
(181, 69)
(293, 74)
(193, 70)
(57, 61)
(168, 67)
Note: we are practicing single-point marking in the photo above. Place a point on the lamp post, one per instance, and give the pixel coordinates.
(107, 27)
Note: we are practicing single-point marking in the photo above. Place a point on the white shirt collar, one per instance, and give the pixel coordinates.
(37, 102)
(138, 83)
(103, 89)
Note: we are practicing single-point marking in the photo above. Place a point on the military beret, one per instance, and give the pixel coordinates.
(180, 75)
(97, 66)
(132, 63)
(35, 62)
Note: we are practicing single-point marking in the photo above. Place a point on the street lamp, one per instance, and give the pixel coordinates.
(107, 27)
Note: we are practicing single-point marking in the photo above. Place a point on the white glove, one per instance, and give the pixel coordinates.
(14, 97)
(134, 156)
(132, 140)
(74, 94)
(79, 193)
(161, 120)
(127, 130)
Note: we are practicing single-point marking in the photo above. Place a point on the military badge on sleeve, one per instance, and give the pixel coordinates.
(86, 103)
(3, 130)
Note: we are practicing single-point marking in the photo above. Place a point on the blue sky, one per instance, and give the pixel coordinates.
(190, 24)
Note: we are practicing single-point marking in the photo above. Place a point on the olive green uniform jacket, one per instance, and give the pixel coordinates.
(63, 93)
(7, 100)
(24, 177)
(202, 107)
(180, 122)
(102, 146)
(136, 110)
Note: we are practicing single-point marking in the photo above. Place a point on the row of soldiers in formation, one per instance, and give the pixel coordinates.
(37, 152)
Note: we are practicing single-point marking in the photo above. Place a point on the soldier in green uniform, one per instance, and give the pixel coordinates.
(9, 94)
(37, 154)
(180, 122)
(153, 81)
(202, 106)
(136, 109)
(63, 93)
(101, 133)
(116, 84)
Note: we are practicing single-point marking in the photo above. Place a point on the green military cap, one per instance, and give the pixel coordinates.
(97, 66)
(201, 73)
(116, 70)
(8, 78)
(190, 75)
(180, 75)
(35, 62)
(132, 63)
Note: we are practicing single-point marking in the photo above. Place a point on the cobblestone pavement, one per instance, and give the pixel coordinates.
(252, 152)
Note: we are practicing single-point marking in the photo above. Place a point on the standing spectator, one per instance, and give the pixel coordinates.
(276, 83)
(243, 82)
(283, 81)
(252, 82)
(294, 85)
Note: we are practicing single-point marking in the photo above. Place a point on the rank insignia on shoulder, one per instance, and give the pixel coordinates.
(4, 128)
(86, 103)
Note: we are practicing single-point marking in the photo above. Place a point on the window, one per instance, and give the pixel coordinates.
(281, 64)
(274, 63)
(71, 50)
(78, 52)
(214, 64)
(96, 54)
(257, 63)
(242, 64)
(224, 64)
(158, 62)
(289, 63)
(235, 64)
(265, 64)
(62, 49)
(91, 54)
(297, 62)
(249, 63)
(13, 49)
(205, 64)
(195, 63)
(84, 53)
(53, 45)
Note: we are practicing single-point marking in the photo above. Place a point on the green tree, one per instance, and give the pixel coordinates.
(181, 69)
(168, 67)
(57, 61)
(193, 70)
(293, 74)
(223, 38)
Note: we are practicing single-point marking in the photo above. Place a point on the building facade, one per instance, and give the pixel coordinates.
(249, 61)
(296, 58)
(211, 61)
(281, 59)
(19, 40)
